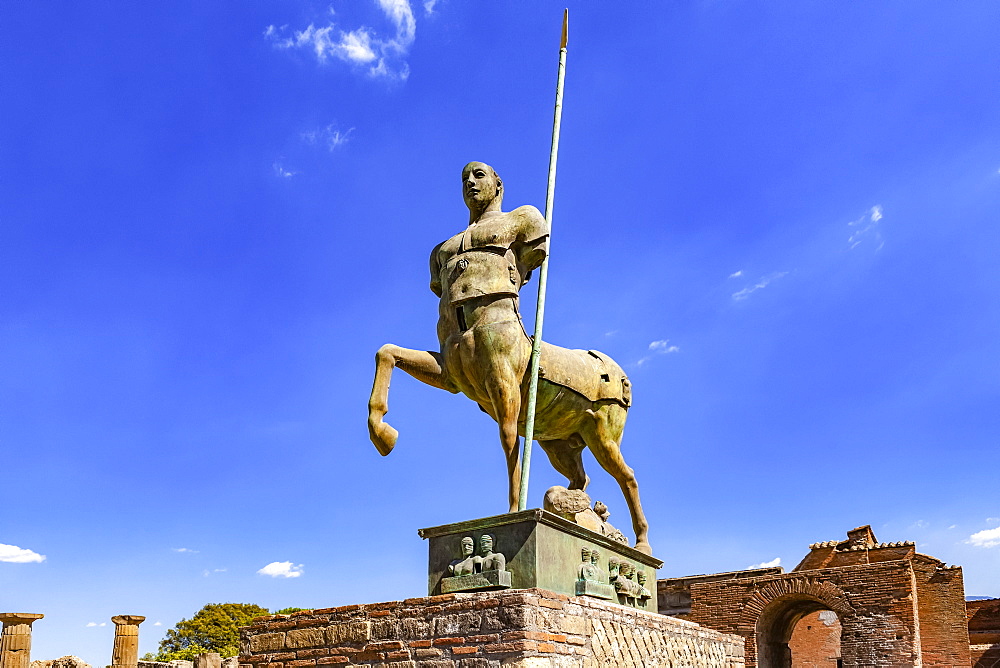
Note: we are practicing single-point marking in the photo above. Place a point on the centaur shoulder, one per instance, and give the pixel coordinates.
(530, 223)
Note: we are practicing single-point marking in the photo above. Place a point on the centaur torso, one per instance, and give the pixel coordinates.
(477, 274)
(492, 256)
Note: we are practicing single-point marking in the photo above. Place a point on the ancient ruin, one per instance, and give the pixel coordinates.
(15, 641)
(856, 602)
(126, 650)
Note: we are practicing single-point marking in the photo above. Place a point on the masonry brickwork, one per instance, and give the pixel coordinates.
(515, 629)
(815, 641)
(984, 632)
(895, 607)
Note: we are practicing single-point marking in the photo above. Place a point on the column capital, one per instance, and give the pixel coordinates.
(128, 619)
(20, 617)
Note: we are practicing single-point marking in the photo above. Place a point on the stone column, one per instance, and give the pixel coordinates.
(15, 643)
(126, 651)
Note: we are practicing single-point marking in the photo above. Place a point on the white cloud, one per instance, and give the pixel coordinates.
(953, 526)
(96, 624)
(759, 285)
(361, 46)
(919, 524)
(184, 550)
(12, 554)
(429, 6)
(985, 538)
(281, 569)
(280, 171)
(736, 274)
(766, 564)
(330, 136)
(992, 520)
(157, 623)
(661, 347)
(867, 228)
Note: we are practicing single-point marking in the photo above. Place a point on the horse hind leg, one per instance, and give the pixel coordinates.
(427, 367)
(604, 439)
(566, 457)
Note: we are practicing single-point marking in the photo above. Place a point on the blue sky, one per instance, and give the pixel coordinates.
(780, 218)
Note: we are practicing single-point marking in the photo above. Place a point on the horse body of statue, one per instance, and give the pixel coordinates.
(583, 396)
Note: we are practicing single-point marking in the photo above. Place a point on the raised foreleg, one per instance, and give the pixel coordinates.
(426, 366)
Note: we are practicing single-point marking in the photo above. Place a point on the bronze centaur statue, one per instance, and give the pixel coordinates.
(583, 396)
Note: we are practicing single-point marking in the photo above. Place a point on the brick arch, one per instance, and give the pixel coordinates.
(830, 595)
(774, 608)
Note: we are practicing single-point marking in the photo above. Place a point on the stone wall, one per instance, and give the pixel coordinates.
(515, 629)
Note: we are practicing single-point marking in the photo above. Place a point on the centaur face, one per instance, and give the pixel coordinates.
(480, 185)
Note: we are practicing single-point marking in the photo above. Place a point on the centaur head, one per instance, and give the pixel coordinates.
(482, 189)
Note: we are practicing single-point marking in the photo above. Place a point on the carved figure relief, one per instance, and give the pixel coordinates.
(591, 580)
(623, 575)
(477, 572)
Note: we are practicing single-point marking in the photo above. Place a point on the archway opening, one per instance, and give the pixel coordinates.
(798, 631)
(815, 641)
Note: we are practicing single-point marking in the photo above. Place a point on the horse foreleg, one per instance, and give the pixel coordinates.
(427, 367)
(506, 400)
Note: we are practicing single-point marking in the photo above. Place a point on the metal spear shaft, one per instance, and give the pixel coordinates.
(543, 275)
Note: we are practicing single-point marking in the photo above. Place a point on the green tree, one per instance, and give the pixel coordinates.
(214, 628)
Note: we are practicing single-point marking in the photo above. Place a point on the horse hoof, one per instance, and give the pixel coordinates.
(644, 548)
(383, 437)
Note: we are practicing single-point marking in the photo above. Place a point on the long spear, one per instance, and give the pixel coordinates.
(543, 274)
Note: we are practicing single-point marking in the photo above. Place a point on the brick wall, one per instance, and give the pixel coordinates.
(944, 631)
(873, 601)
(522, 628)
(815, 642)
(984, 632)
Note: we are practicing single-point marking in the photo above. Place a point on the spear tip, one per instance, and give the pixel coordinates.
(565, 33)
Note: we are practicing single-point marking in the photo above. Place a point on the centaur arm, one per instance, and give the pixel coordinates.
(531, 243)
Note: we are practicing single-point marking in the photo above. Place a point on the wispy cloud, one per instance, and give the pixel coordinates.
(661, 347)
(12, 554)
(761, 283)
(919, 524)
(985, 538)
(185, 550)
(330, 136)
(280, 171)
(766, 564)
(89, 624)
(157, 623)
(866, 228)
(281, 569)
(429, 6)
(207, 572)
(736, 274)
(363, 47)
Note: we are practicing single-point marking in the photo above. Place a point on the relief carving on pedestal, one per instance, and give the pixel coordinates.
(477, 571)
(592, 580)
(622, 576)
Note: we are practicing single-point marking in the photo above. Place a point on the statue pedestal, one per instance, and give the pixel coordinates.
(542, 550)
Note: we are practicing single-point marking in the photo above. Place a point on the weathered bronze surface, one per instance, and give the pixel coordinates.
(583, 396)
(477, 572)
(541, 550)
